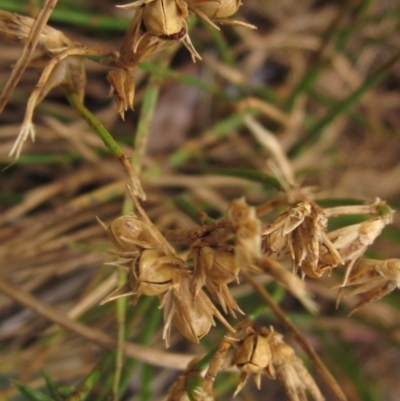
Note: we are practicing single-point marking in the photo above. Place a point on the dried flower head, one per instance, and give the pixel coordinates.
(193, 318)
(215, 268)
(247, 229)
(262, 350)
(303, 228)
(373, 279)
(153, 273)
(163, 19)
(352, 241)
(290, 371)
(122, 84)
(217, 11)
(252, 355)
(128, 233)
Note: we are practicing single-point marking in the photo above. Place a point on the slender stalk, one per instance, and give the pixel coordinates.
(108, 140)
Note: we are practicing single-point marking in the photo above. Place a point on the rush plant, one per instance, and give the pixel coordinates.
(225, 277)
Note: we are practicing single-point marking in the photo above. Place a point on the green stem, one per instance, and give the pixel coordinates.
(98, 127)
(108, 140)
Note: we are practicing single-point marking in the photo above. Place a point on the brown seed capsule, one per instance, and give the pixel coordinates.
(163, 17)
(122, 84)
(219, 264)
(215, 268)
(216, 9)
(373, 279)
(290, 371)
(193, 318)
(200, 325)
(154, 274)
(128, 233)
(247, 229)
(253, 354)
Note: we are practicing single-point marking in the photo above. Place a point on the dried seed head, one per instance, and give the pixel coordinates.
(214, 8)
(276, 241)
(197, 326)
(122, 84)
(217, 10)
(290, 371)
(151, 274)
(155, 273)
(303, 228)
(218, 264)
(128, 233)
(352, 241)
(253, 354)
(239, 211)
(247, 229)
(262, 350)
(156, 23)
(193, 318)
(373, 279)
(215, 267)
(164, 17)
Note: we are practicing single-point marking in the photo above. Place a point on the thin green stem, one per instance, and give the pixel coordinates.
(108, 140)
(97, 126)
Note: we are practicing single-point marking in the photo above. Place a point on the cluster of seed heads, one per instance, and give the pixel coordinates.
(219, 251)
